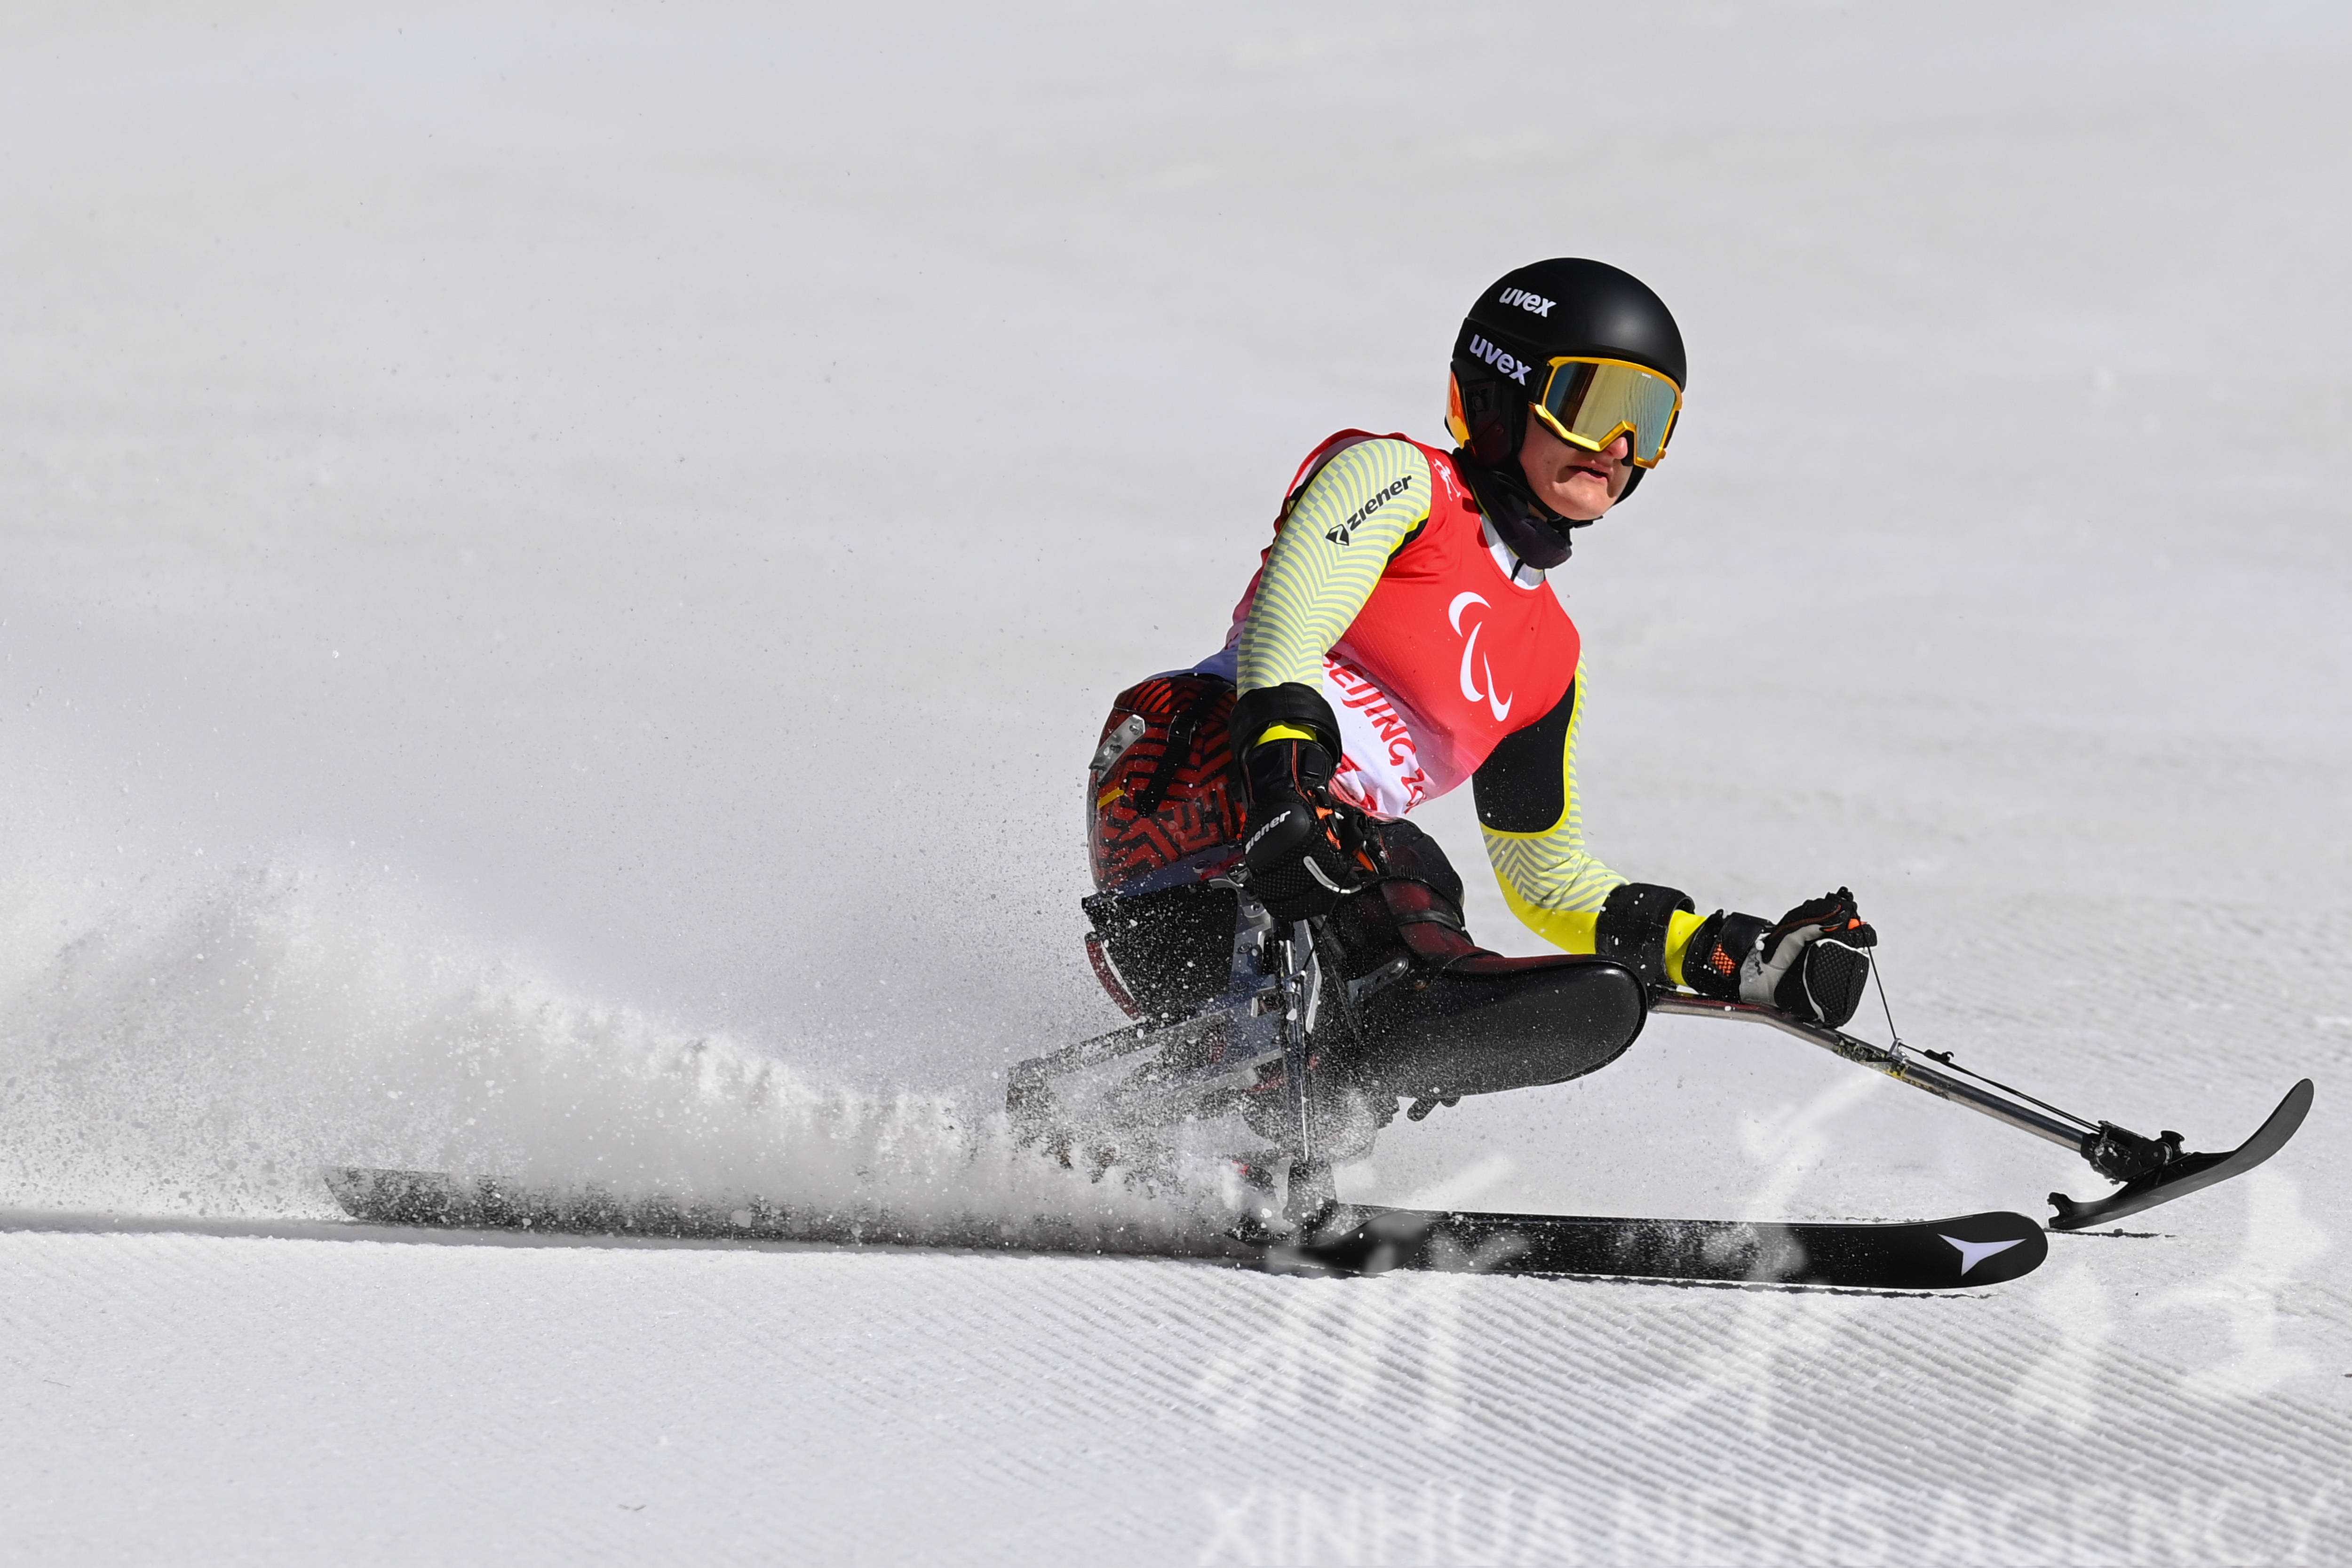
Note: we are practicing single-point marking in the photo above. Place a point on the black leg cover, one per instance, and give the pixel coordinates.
(1488, 1024)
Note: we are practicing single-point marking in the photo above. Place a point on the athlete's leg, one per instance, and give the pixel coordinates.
(1442, 1017)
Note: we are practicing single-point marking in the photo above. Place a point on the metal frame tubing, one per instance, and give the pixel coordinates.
(1937, 1077)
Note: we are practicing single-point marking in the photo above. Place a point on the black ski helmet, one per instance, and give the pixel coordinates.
(1532, 315)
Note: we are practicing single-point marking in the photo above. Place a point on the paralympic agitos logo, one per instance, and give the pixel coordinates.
(1499, 704)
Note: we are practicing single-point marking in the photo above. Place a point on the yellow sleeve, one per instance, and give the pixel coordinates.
(1334, 542)
(1571, 930)
(1551, 880)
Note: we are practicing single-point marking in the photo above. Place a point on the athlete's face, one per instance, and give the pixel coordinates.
(1577, 483)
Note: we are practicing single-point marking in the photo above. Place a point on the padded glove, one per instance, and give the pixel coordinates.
(1295, 842)
(1814, 964)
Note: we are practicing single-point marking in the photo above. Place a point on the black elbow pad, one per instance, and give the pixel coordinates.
(1633, 925)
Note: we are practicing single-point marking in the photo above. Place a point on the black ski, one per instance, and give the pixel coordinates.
(2183, 1174)
(1922, 1255)
(489, 1202)
(1938, 1255)
(435, 1201)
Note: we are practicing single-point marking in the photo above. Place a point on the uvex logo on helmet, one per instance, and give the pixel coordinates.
(1525, 299)
(1516, 369)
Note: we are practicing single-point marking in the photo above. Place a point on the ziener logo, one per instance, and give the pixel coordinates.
(1262, 832)
(1342, 533)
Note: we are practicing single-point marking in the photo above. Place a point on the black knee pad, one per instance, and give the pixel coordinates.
(1413, 854)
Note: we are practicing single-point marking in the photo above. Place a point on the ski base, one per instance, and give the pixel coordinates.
(2187, 1172)
(1924, 1255)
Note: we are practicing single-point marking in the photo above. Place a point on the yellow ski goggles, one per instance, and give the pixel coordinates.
(1591, 403)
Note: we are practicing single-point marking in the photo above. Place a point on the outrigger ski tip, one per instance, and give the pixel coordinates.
(2152, 1170)
(2182, 1174)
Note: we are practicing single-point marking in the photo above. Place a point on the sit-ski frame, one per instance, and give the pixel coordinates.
(1270, 1010)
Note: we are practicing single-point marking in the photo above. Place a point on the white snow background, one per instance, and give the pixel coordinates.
(559, 567)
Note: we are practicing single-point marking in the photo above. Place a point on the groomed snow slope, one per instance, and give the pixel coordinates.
(561, 570)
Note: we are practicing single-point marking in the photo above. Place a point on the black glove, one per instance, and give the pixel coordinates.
(1815, 963)
(1299, 861)
(1812, 965)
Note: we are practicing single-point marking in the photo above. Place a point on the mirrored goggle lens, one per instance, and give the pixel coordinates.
(1593, 401)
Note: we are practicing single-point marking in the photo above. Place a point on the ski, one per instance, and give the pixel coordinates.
(436, 1201)
(1970, 1250)
(1934, 1255)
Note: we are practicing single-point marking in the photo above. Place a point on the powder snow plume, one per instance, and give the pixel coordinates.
(207, 1049)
